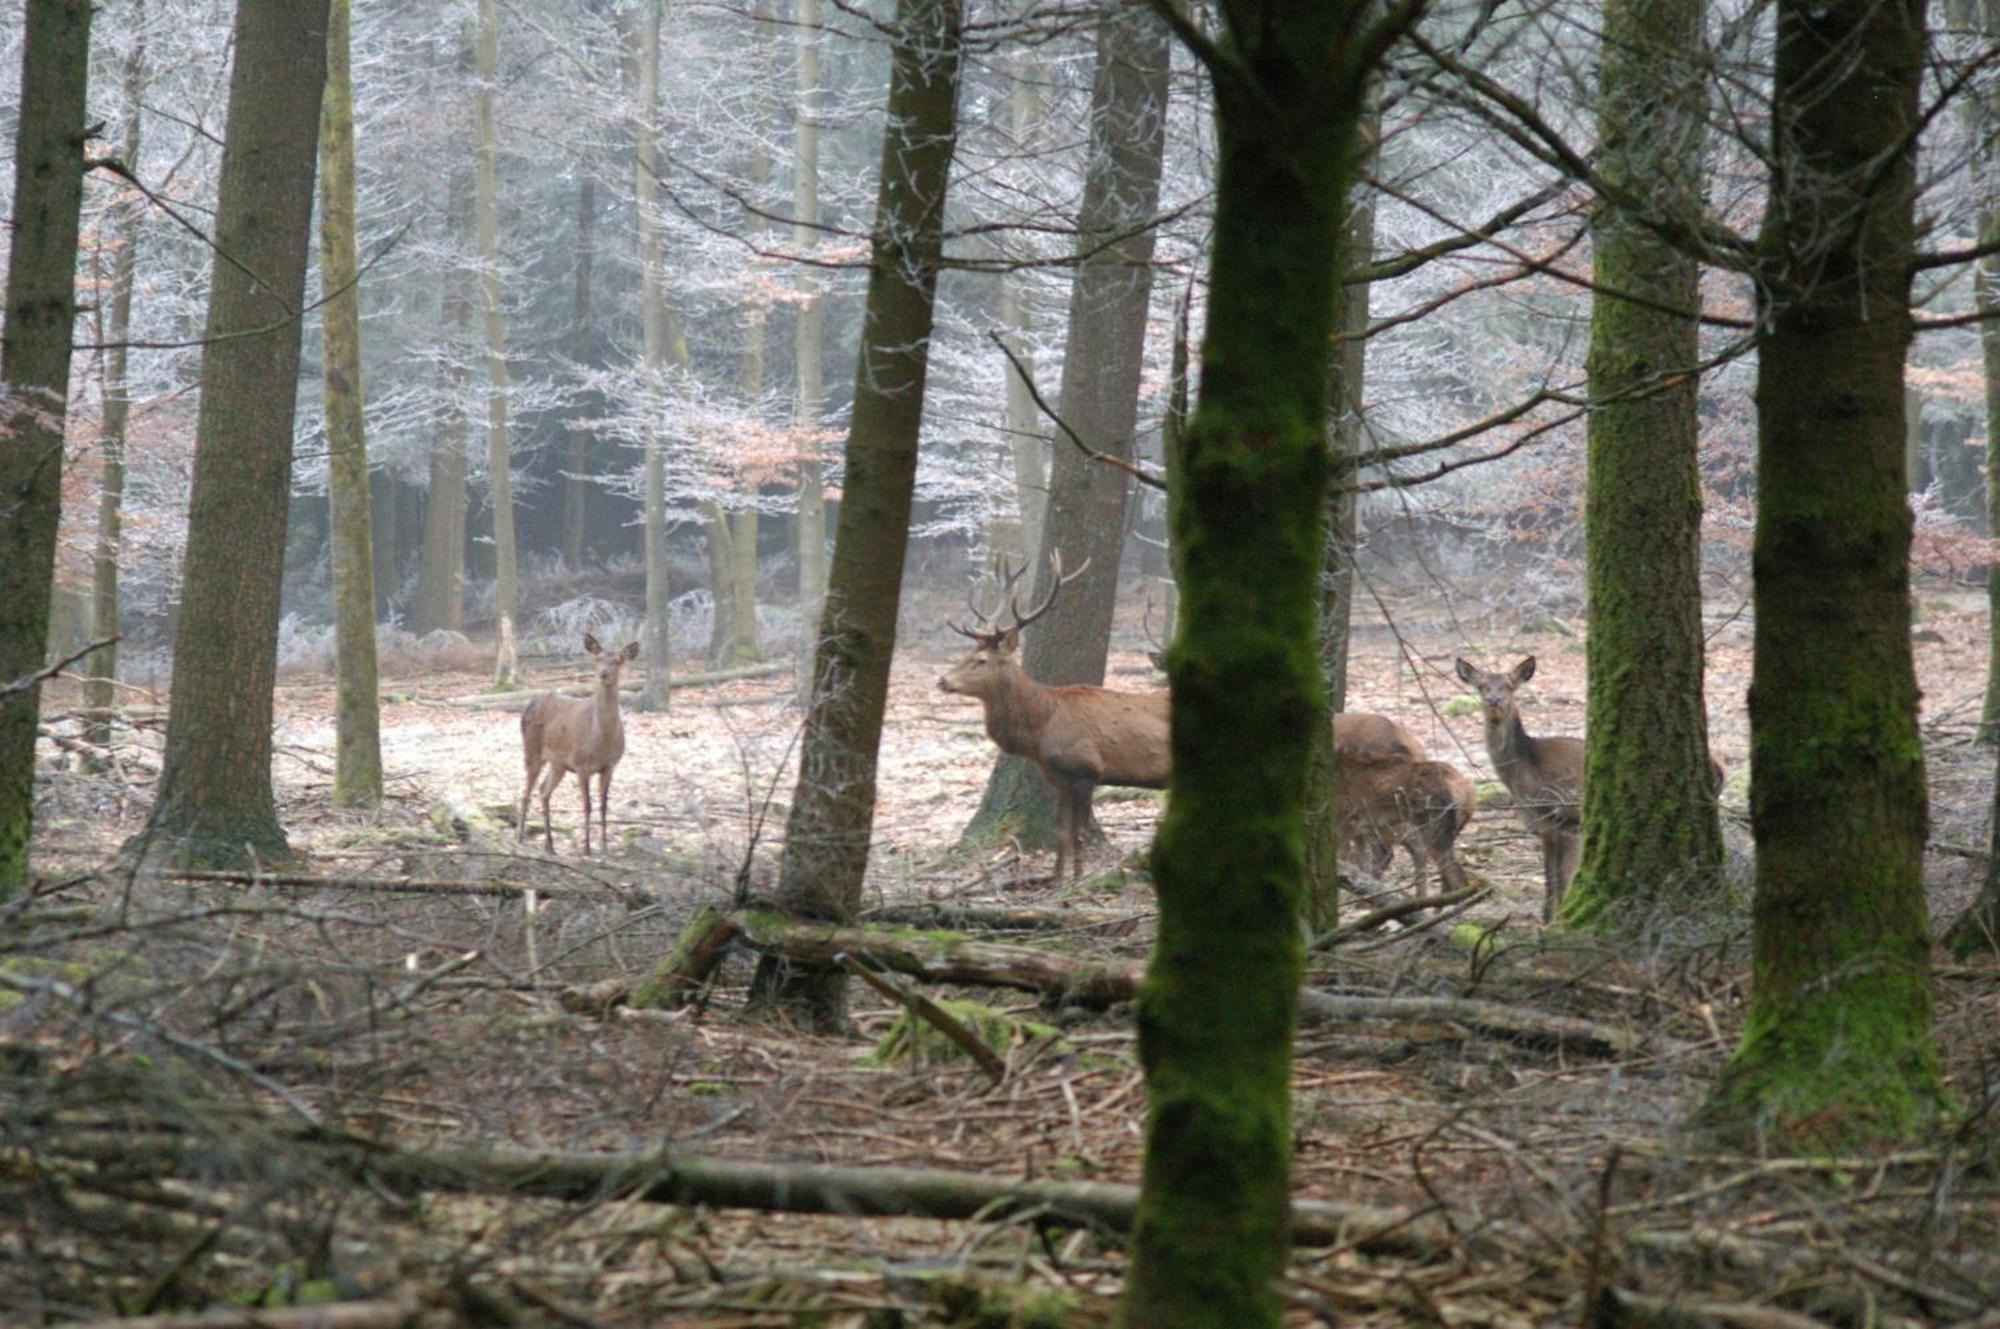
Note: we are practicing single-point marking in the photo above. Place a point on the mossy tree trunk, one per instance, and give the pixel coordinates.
(493, 324)
(1837, 1047)
(214, 804)
(808, 341)
(49, 146)
(1977, 930)
(827, 834)
(1652, 837)
(100, 692)
(1347, 365)
(1099, 398)
(357, 768)
(1219, 1003)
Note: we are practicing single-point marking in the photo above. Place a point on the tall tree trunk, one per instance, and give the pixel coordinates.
(214, 802)
(1984, 109)
(808, 344)
(1026, 430)
(1652, 837)
(1100, 393)
(486, 220)
(1219, 1002)
(100, 692)
(34, 369)
(357, 765)
(1347, 365)
(577, 454)
(655, 336)
(1837, 1048)
(440, 604)
(833, 808)
(385, 529)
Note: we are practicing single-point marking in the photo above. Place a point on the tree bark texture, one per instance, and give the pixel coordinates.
(808, 342)
(1027, 432)
(1347, 365)
(1652, 836)
(659, 337)
(486, 223)
(1220, 999)
(1984, 109)
(357, 768)
(1837, 1049)
(1106, 341)
(576, 454)
(100, 692)
(440, 601)
(214, 805)
(34, 385)
(827, 833)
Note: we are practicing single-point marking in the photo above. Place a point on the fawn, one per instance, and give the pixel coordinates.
(581, 734)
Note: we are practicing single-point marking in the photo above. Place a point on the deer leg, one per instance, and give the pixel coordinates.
(1065, 818)
(527, 797)
(1569, 852)
(1079, 818)
(1552, 883)
(583, 783)
(549, 783)
(603, 816)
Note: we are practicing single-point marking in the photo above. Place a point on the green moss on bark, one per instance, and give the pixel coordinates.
(1652, 840)
(1837, 1048)
(1219, 1002)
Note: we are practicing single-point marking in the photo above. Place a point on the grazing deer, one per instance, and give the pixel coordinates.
(1078, 737)
(581, 734)
(1387, 800)
(1545, 776)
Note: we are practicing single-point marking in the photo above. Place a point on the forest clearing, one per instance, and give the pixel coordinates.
(1468, 1174)
(1238, 663)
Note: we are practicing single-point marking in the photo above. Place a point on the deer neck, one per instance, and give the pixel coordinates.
(605, 721)
(1017, 711)
(1510, 746)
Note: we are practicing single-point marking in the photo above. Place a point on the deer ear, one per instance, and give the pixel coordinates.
(590, 644)
(1467, 672)
(1524, 670)
(1009, 640)
(631, 651)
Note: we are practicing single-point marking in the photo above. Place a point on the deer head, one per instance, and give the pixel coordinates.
(609, 664)
(995, 641)
(1496, 691)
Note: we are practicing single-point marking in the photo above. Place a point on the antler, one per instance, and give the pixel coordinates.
(984, 617)
(1056, 582)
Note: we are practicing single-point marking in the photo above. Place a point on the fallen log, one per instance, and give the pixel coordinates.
(330, 1315)
(797, 1188)
(299, 881)
(951, 958)
(1368, 922)
(995, 918)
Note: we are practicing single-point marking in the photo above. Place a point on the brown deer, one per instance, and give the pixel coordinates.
(1545, 776)
(1079, 737)
(581, 734)
(1386, 800)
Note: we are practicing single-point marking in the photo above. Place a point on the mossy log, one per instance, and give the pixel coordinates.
(943, 957)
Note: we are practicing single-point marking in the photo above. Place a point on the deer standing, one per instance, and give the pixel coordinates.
(1386, 800)
(1545, 776)
(581, 734)
(1078, 737)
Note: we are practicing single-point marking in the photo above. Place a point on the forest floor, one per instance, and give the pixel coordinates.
(1517, 1177)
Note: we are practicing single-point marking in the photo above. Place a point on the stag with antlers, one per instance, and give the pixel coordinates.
(1077, 737)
